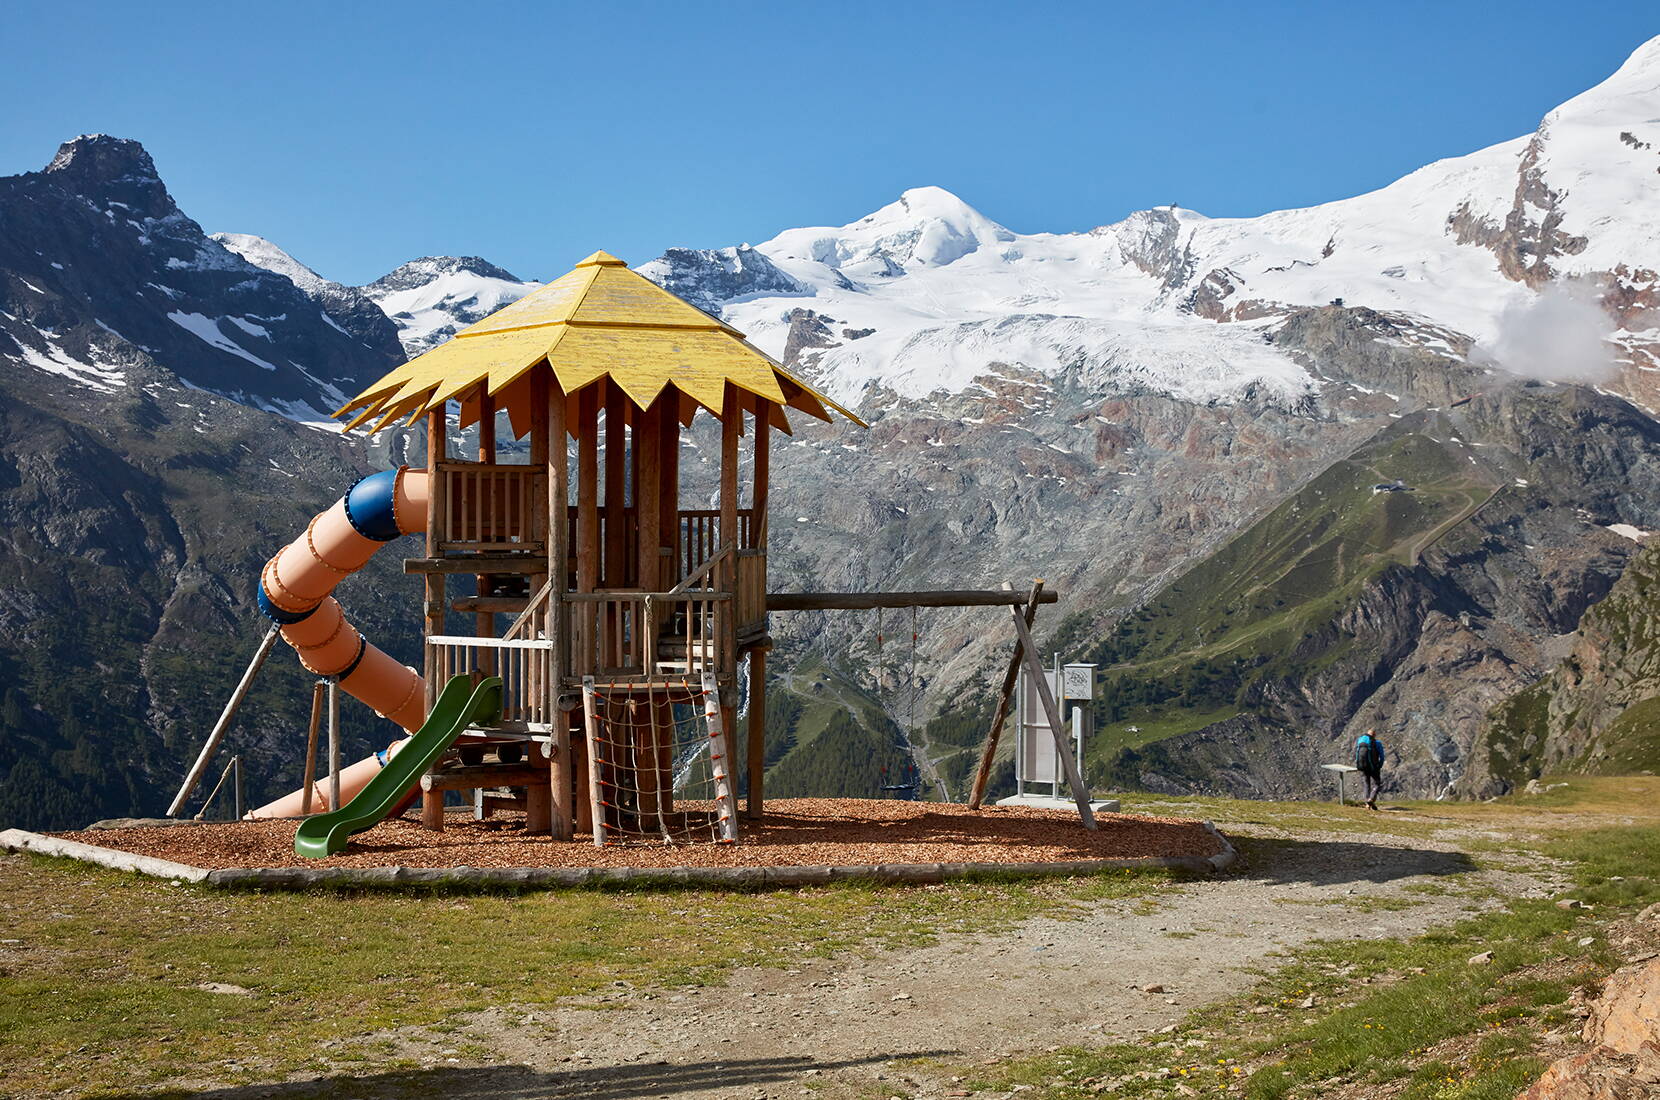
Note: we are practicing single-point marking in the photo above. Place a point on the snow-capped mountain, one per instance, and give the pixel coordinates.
(434, 297)
(348, 307)
(99, 269)
(928, 294)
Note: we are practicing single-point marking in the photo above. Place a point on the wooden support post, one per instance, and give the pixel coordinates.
(317, 692)
(648, 491)
(648, 514)
(616, 483)
(757, 763)
(334, 744)
(225, 716)
(587, 520)
(732, 423)
(432, 811)
(437, 444)
(1004, 695)
(668, 523)
(560, 782)
(763, 475)
(590, 715)
(1063, 743)
(484, 622)
(549, 407)
(432, 803)
(538, 806)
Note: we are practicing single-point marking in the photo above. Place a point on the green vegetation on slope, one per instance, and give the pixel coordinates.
(1599, 710)
(1264, 608)
(826, 737)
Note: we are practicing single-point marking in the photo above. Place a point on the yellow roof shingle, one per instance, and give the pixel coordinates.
(600, 320)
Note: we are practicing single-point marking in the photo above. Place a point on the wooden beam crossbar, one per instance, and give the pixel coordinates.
(870, 601)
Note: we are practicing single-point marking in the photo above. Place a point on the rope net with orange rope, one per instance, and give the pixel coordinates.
(657, 764)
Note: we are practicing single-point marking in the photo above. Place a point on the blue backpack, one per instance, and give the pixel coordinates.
(1368, 753)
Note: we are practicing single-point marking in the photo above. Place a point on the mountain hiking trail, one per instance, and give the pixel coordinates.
(851, 1025)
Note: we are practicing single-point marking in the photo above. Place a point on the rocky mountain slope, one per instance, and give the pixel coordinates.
(1407, 588)
(1598, 710)
(434, 297)
(132, 524)
(98, 264)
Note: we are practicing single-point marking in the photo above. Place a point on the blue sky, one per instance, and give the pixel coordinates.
(359, 135)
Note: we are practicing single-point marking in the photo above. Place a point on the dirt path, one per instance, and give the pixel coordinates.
(849, 1025)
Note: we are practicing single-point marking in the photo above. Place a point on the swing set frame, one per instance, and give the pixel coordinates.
(1023, 612)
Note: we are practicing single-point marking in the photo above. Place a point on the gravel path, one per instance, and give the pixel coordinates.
(847, 1026)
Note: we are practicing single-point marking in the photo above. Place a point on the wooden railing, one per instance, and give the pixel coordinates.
(701, 538)
(484, 507)
(526, 668)
(642, 634)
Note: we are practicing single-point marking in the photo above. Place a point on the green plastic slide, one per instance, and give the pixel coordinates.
(459, 705)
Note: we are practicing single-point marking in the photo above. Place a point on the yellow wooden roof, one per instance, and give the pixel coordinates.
(600, 320)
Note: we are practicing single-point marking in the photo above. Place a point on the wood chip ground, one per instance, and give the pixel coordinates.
(796, 832)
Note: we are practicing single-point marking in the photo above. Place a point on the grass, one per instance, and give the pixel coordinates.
(103, 988)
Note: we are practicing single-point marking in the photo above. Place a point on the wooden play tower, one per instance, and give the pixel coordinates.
(592, 571)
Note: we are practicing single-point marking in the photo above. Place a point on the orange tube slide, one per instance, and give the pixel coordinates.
(296, 589)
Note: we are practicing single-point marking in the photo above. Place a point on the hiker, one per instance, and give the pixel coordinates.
(1369, 759)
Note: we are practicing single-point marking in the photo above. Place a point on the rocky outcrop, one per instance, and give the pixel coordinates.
(1384, 352)
(1531, 235)
(1624, 1031)
(1152, 241)
(1599, 709)
(706, 277)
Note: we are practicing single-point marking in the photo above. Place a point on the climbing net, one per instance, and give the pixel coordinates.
(657, 764)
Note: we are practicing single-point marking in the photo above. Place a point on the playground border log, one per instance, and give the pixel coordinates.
(497, 878)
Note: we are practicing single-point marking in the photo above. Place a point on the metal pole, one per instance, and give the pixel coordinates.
(223, 724)
(236, 786)
(334, 744)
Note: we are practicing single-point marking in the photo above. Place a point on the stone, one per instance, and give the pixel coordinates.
(1480, 960)
(1627, 1015)
(1152, 989)
(226, 988)
(1570, 903)
(1600, 1074)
